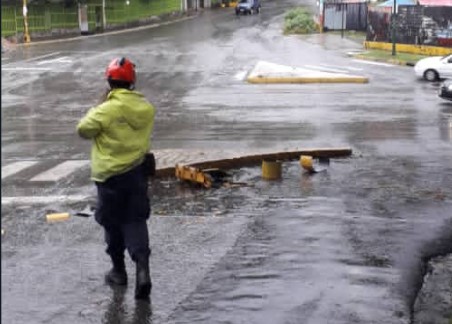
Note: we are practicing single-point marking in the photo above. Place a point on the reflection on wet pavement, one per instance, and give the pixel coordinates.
(319, 247)
(118, 312)
(445, 123)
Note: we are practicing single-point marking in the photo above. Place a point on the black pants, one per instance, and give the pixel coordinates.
(123, 208)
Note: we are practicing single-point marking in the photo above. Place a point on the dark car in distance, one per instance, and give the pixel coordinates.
(445, 90)
(248, 7)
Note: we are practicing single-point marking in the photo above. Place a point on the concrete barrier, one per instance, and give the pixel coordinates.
(256, 159)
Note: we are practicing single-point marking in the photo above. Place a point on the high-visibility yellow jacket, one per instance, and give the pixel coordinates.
(121, 129)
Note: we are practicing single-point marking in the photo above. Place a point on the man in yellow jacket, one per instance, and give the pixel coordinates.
(120, 129)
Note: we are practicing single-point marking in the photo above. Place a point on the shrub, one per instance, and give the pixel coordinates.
(299, 21)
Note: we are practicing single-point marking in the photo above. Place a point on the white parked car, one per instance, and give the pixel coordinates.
(434, 68)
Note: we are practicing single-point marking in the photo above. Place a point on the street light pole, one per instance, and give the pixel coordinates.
(25, 11)
(393, 30)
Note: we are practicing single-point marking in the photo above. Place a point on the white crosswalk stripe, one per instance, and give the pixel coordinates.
(60, 171)
(16, 167)
(24, 68)
(45, 200)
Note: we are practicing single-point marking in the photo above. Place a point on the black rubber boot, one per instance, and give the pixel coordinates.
(143, 279)
(117, 275)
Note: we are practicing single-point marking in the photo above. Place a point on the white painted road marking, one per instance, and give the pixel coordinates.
(241, 75)
(62, 59)
(25, 69)
(16, 167)
(34, 58)
(34, 200)
(374, 63)
(354, 68)
(42, 56)
(325, 68)
(60, 171)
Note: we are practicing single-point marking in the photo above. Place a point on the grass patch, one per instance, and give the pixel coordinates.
(380, 55)
(299, 21)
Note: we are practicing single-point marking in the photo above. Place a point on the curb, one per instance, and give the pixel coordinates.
(390, 61)
(408, 48)
(239, 161)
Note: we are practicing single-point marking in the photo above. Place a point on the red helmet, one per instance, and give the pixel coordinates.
(121, 69)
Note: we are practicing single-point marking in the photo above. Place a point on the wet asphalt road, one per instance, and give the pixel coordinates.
(341, 246)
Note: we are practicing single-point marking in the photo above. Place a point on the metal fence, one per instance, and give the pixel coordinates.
(51, 17)
(343, 15)
(418, 25)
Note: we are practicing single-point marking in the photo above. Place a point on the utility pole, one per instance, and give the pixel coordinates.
(25, 12)
(393, 29)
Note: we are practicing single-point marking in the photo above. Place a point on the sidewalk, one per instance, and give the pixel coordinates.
(10, 44)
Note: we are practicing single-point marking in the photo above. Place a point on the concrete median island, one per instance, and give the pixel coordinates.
(266, 72)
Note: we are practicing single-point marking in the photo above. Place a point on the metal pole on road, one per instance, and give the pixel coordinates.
(104, 17)
(25, 12)
(393, 28)
(343, 6)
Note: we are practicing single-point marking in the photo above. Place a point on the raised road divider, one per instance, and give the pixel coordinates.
(266, 72)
